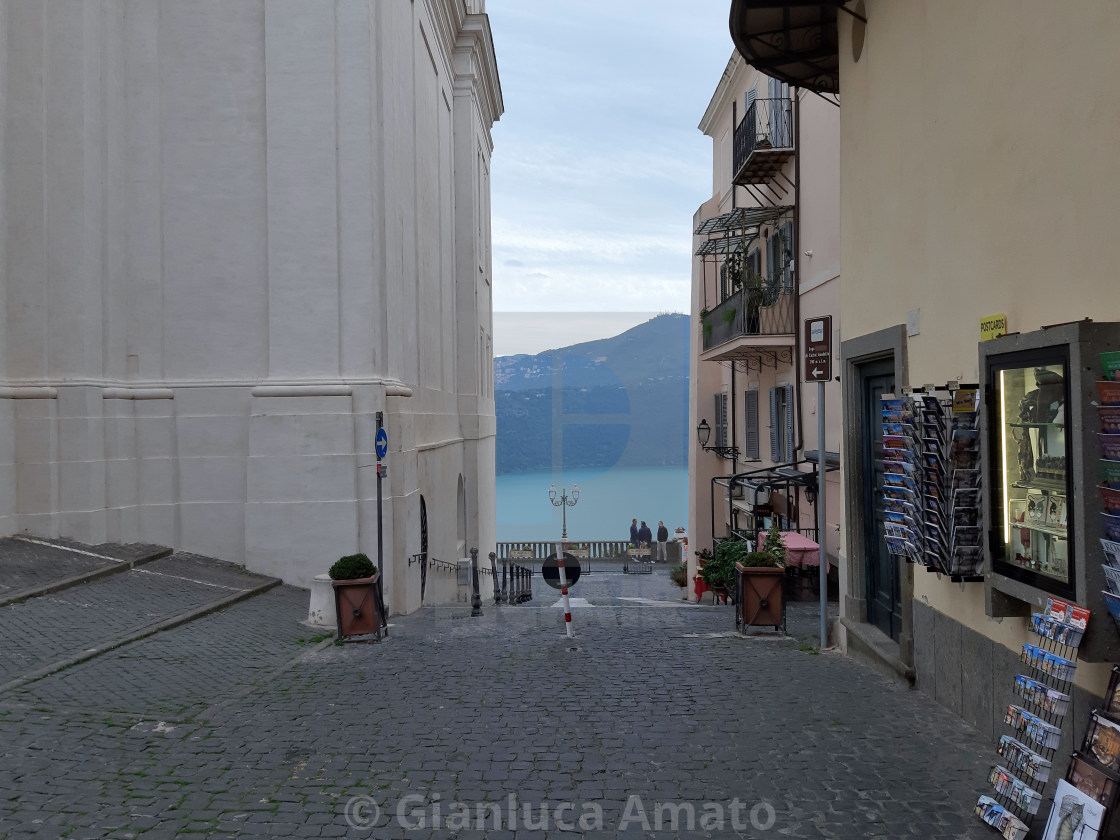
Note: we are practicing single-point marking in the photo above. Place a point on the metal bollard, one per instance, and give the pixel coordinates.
(505, 571)
(494, 577)
(476, 598)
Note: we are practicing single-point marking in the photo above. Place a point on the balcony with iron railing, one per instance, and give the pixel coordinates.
(764, 141)
(758, 315)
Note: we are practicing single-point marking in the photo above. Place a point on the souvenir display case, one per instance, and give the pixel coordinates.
(1030, 479)
(1040, 470)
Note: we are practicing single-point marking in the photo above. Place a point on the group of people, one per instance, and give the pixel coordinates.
(640, 535)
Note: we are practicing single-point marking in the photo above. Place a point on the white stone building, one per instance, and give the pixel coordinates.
(233, 232)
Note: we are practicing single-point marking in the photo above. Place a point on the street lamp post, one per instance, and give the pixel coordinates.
(564, 503)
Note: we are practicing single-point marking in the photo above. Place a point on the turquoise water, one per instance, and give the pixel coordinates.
(608, 500)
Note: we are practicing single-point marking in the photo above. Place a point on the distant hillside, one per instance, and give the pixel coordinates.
(616, 401)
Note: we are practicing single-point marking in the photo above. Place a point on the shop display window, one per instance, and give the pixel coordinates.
(1030, 505)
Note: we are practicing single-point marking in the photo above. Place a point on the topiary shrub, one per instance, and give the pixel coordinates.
(352, 567)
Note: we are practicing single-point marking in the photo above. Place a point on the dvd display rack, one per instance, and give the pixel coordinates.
(931, 482)
(1042, 700)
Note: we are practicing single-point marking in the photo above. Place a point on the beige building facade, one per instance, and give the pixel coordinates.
(767, 258)
(237, 236)
(978, 178)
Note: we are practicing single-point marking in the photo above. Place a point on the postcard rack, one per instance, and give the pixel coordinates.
(931, 463)
(1043, 689)
(1108, 413)
(1085, 800)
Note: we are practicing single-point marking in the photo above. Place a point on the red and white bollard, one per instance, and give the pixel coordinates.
(564, 593)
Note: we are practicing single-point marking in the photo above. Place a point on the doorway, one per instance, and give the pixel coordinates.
(884, 600)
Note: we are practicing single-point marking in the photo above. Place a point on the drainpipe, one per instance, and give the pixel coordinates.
(799, 444)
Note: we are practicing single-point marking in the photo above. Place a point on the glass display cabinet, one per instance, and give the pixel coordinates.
(1030, 480)
(1040, 472)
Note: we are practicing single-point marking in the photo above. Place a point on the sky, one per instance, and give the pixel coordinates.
(598, 163)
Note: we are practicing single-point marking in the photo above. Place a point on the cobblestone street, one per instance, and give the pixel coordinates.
(244, 722)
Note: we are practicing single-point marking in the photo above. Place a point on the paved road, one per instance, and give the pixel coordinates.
(244, 723)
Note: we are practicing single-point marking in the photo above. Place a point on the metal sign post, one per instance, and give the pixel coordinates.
(381, 446)
(818, 368)
(821, 496)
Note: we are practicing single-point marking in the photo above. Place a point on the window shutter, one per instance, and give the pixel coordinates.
(775, 431)
(787, 258)
(751, 414)
(789, 423)
(752, 95)
(721, 420)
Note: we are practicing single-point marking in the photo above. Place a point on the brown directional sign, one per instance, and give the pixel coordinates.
(818, 349)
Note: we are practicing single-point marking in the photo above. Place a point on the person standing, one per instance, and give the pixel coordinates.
(634, 532)
(644, 535)
(662, 542)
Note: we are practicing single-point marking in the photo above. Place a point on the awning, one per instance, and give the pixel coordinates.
(740, 219)
(737, 229)
(794, 41)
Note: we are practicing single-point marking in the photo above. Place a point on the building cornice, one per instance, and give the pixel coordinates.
(716, 104)
(447, 18)
(165, 389)
(476, 67)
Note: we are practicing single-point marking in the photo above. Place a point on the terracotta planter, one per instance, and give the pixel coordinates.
(360, 607)
(760, 599)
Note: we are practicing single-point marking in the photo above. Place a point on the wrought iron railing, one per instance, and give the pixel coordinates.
(595, 550)
(768, 124)
(760, 308)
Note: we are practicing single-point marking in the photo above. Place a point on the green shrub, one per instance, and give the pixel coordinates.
(679, 575)
(762, 559)
(352, 567)
(773, 545)
(728, 315)
(720, 570)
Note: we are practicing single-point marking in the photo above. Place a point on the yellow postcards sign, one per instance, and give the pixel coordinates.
(993, 327)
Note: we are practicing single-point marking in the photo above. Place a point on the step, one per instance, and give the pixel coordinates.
(58, 629)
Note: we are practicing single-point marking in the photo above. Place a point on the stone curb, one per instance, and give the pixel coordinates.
(137, 635)
(77, 580)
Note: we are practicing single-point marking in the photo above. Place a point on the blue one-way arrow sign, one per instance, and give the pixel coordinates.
(381, 443)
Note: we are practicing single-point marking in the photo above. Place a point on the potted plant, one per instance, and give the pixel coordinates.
(679, 575)
(719, 571)
(760, 585)
(359, 600)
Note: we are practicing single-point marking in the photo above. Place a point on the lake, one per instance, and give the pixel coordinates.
(608, 500)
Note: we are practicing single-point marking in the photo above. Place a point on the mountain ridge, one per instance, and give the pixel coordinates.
(617, 401)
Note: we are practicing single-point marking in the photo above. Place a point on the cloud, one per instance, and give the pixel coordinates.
(598, 165)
